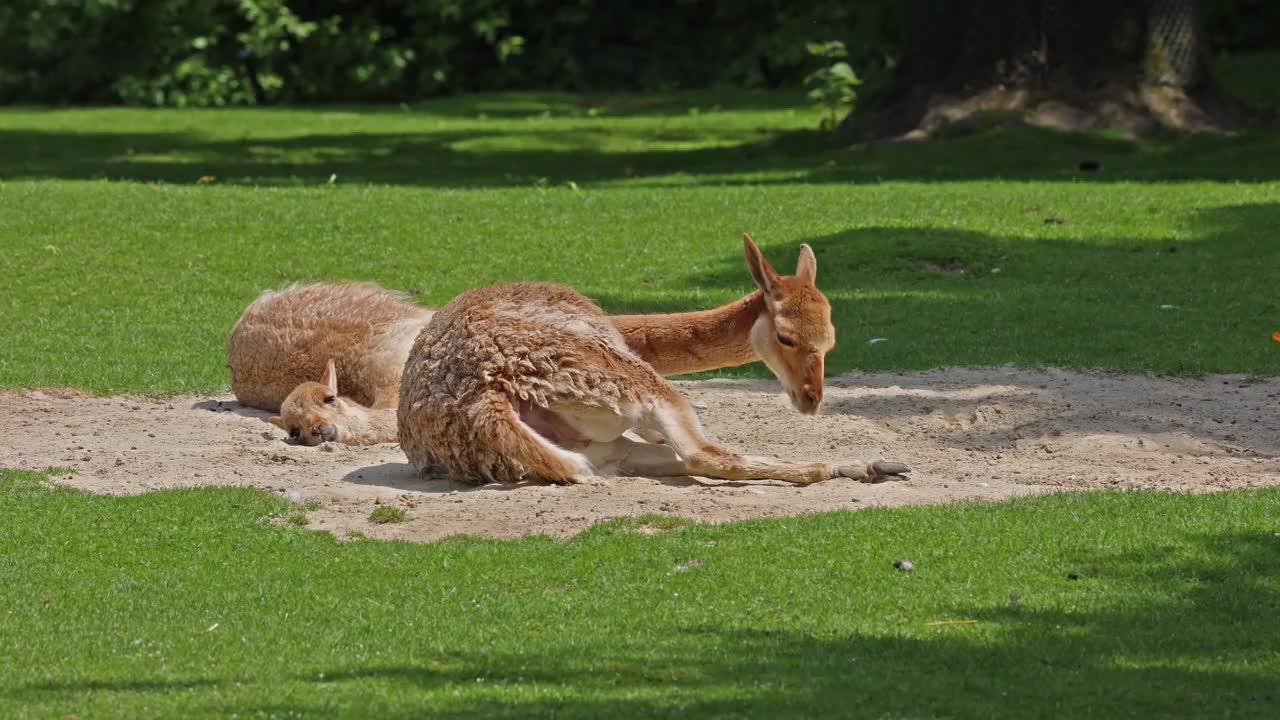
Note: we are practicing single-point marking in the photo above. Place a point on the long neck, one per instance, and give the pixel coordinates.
(369, 426)
(689, 342)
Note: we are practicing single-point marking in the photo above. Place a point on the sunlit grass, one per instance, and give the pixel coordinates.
(193, 603)
(125, 274)
(133, 287)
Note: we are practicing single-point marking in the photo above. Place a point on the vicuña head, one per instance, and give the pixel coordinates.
(315, 413)
(786, 323)
(794, 333)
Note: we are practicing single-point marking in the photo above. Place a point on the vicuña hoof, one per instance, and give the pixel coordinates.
(878, 471)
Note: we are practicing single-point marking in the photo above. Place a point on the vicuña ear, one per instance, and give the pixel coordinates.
(278, 422)
(330, 378)
(807, 265)
(764, 275)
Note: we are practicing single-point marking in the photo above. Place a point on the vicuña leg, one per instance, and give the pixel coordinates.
(674, 418)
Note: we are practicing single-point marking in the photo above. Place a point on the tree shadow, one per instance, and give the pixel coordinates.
(449, 158)
(134, 685)
(539, 105)
(1019, 301)
(1202, 645)
(633, 153)
(1097, 622)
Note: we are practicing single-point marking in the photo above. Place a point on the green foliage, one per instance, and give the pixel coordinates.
(834, 85)
(234, 52)
(230, 52)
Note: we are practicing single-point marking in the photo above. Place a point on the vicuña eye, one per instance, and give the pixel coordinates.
(786, 341)
(329, 399)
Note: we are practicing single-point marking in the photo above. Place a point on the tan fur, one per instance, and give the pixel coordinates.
(316, 412)
(531, 381)
(280, 346)
(747, 330)
(302, 326)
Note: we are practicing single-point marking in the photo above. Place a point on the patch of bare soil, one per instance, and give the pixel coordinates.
(967, 434)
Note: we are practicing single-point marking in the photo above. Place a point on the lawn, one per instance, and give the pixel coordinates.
(191, 604)
(124, 272)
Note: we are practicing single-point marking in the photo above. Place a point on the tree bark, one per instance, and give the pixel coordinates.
(1071, 64)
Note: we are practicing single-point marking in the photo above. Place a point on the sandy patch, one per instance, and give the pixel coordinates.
(967, 434)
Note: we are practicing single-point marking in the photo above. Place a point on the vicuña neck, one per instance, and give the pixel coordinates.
(689, 342)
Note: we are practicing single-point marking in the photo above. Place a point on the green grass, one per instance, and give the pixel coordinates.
(384, 514)
(123, 274)
(192, 603)
(656, 521)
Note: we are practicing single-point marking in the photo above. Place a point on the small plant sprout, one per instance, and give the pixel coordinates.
(832, 86)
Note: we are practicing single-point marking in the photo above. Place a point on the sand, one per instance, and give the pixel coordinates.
(967, 434)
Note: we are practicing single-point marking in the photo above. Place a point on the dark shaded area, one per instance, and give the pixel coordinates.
(1201, 644)
(176, 53)
(1135, 67)
(217, 53)
(403, 476)
(134, 685)
(460, 158)
(540, 104)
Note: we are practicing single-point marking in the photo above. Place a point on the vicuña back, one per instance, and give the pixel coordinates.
(285, 338)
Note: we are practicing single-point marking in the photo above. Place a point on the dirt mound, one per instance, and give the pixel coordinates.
(967, 434)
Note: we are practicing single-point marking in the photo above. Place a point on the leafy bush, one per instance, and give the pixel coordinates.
(220, 52)
(834, 85)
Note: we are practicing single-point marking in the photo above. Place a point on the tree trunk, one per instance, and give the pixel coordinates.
(1071, 64)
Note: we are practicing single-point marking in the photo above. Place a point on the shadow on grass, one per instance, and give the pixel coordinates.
(445, 159)
(539, 105)
(127, 686)
(1198, 647)
(599, 151)
(522, 105)
(1026, 302)
(1200, 643)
